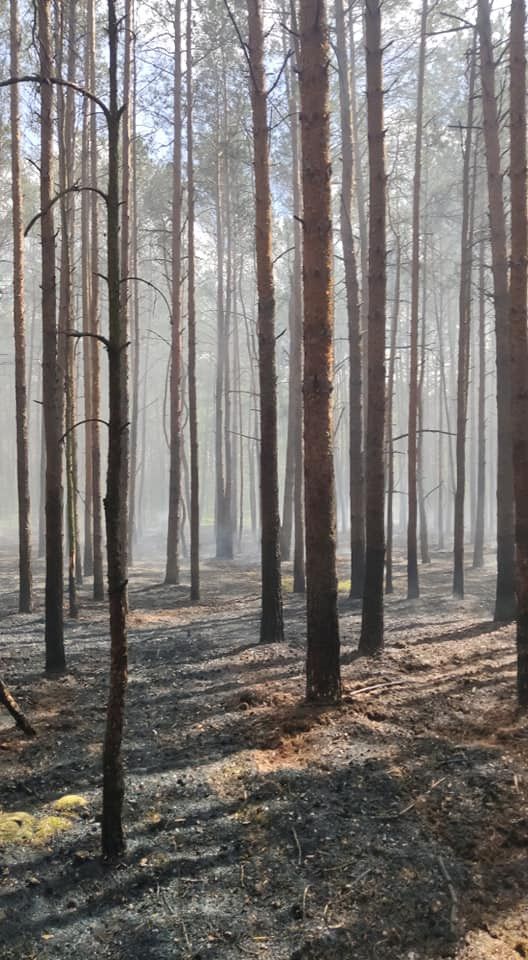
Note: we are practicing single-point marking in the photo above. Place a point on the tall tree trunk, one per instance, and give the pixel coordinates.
(390, 417)
(113, 840)
(25, 599)
(296, 342)
(413, 589)
(222, 538)
(357, 505)
(424, 537)
(271, 624)
(66, 117)
(135, 360)
(371, 640)
(361, 210)
(191, 323)
(98, 574)
(505, 593)
(172, 574)
(518, 330)
(323, 680)
(464, 324)
(52, 379)
(478, 550)
(86, 293)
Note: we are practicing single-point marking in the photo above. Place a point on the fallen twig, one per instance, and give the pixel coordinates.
(452, 893)
(411, 805)
(298, 845)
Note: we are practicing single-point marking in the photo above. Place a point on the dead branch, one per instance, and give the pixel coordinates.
(9, 702)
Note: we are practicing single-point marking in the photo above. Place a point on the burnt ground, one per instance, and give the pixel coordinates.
(393, 827)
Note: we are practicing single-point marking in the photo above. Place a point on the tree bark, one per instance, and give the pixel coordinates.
(25, 599)
(371, 639)
(113, 840)
(505, 592)
(323, 680)
(518, 330)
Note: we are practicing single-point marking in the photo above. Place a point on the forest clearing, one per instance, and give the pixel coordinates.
(392, 826)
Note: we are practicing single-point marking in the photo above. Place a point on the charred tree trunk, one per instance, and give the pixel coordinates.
(113, 841)
(172, 574)
(518, 330)
(52, 375)
(505, 594)
(323, 680)
(371, 640)
(25, 599)
(413, 589)
(271, 624)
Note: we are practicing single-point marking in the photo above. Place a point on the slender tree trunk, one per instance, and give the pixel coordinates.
(25, 599)
(220, 519)
(98, 574)
(390, 417)
(52, 380)
(66, 117)
(357, 505)
(296, 347)
(271, 624)
(323, 681)
(361, 211)
(172, 574)
(413, 589)
(113, 841)
(86, 293)
(505, 594)
(440, 520)
(424, 537)
(191, 323)
(518, 330)
(464, 323)
(371, 640)
(478, 551)
(135, 361)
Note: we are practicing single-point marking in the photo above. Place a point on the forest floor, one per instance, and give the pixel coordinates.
(393, 827)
